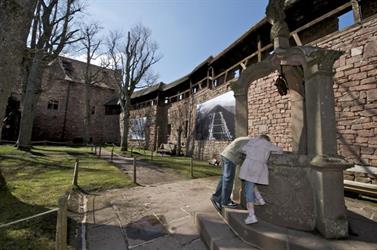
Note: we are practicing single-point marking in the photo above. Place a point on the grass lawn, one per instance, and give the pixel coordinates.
(36, 180)
(180, 164)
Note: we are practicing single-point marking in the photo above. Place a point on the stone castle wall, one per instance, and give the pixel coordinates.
(49, 123)
(355, 87)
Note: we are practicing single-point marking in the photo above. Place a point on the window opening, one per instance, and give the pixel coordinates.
(345, 20)
(53, 105)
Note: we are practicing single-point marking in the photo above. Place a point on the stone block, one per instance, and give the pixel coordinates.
(372, 95)
(363, 179)
(357, 51)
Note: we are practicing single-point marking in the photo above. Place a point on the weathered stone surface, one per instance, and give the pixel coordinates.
(289, 194)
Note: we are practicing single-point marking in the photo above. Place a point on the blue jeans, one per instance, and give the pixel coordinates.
(225, 186)
(249, 191)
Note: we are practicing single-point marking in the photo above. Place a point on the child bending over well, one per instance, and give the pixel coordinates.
(254, 170)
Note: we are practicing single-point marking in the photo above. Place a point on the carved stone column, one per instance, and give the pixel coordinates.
(320, 103)
(327, 170)
(241, 128)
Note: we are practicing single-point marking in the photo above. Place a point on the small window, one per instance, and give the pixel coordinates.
(53, 105)
(169, 129)
(112, 110)
(68, 67)
(93, 110)
(345, 20)
(237, 73)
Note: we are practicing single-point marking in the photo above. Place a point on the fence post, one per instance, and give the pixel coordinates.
(75, 173)
(99, 152)
(134, 165)
(152, 155)
(192, 167)
(95, 150)
(61, 225)
(112, 154)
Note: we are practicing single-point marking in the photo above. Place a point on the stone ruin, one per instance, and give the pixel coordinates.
(306, 185)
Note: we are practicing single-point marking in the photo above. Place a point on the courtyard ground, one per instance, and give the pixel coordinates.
(161, 215)
(36, 180)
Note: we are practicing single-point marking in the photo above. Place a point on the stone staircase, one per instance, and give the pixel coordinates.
(230, 232)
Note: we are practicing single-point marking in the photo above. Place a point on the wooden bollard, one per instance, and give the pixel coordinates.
(95, 150)
(112, 154)
(61, 225)
(99, 152)
(192, 167)
(75, 173)
(134, 166)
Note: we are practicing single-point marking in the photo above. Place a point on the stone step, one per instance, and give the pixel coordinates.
(268, 236)
(216, 233)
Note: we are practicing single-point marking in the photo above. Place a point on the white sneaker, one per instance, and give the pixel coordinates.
(259, 201)
(251, 220)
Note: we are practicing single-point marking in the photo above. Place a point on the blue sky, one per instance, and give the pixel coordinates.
(187, 31)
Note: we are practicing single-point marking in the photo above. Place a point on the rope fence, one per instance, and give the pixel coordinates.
(62, 214)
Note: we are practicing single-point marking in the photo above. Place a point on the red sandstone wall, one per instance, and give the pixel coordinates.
(269, 112)
(355, 86)
(48, 124)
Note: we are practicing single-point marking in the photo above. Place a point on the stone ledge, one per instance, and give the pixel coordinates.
(216, 234)
(268, 236)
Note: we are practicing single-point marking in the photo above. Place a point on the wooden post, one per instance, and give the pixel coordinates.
(134, 166)
(112, 153)
(192, 167)
(152, 155)
(75, 173)
(99, 151)
(259, 49)
(356, 11)
(61, 225)
(95, 150)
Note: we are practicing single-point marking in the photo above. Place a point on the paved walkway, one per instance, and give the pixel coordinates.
(158, 214)
(147, 174)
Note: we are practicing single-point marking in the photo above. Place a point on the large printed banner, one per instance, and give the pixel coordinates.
(137, 128)
(215, 118)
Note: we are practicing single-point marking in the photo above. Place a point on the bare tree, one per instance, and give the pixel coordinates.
(179, 120)
(132, 60)
(15, 21)
(91, 45)
(50, 33)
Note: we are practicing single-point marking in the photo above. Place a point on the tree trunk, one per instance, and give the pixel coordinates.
(30, 101)
(87, 116)
(124, 133)
(3, 183)
(15, 20)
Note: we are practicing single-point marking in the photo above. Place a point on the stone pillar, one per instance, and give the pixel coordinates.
(298, 129)
(241, 129)
(327, 171)
(320, 103)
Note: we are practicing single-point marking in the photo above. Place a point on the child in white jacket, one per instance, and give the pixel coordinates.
(254, 170)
